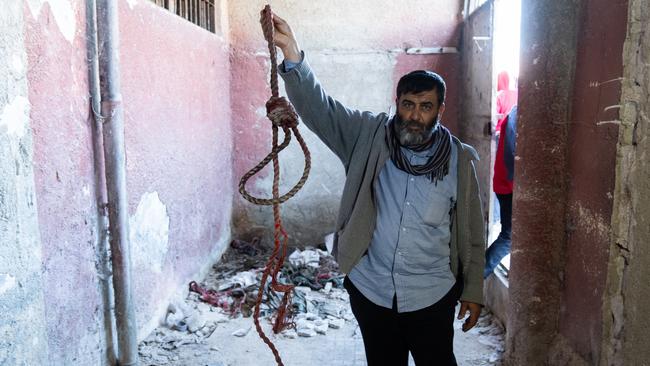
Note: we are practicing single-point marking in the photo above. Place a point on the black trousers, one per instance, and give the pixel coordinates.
(388, 336)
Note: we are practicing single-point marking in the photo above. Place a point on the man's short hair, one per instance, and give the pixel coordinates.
(422, 80)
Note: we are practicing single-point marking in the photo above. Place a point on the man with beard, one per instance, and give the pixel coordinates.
(410, 231)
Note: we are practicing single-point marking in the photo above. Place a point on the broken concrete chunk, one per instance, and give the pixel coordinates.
(241, 332)
(328, 287)
(321, 329)
(195, 323)
(311, 316)
(307, 333)
(174, 320)
(332, 309)
(304, 324)
(290, 334)
(302, 289)
(348, 316)
(336, 323)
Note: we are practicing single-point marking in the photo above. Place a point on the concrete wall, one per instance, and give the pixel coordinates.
(175, 85)
(340, 38)
(476, 89)
(626, 307)
(23, 339)
(590, 163)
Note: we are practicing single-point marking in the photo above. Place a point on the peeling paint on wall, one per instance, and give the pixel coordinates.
(149, 232)
(15, 117)
(132, 3)
(7, 282)
(63, 15)
(23, 334)
(17, 64)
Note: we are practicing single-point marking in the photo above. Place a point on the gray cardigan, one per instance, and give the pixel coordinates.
(359, 140)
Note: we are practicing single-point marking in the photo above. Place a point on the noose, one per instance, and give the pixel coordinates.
(282, 115)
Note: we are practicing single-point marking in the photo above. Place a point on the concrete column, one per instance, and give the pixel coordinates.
(22, 321)
(548, 51)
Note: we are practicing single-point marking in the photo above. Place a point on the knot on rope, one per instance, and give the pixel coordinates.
(281, 112)
(282, 115)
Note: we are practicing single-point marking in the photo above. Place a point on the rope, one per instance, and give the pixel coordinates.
(282, 115)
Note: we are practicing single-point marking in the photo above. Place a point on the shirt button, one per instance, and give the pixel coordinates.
(408, 203)
(412, 179)
(403, 229)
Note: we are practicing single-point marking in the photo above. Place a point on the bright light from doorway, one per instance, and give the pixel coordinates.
(507, 20)
(506, 40)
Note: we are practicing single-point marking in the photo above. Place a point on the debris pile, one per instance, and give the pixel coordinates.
(319, 302)
(234, 283)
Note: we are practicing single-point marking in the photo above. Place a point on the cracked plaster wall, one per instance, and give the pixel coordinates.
(625, 319)
(23, 340)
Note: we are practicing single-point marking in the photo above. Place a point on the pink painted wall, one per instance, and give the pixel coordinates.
(175, 86)
(63, 174)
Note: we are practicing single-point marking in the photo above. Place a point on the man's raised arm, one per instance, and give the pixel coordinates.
(336, 125)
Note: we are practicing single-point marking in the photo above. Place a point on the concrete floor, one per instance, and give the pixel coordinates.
(483, 345)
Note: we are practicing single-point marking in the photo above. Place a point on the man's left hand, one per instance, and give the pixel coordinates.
(474, 313)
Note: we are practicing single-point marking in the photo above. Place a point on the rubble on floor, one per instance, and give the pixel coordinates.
(319, 302)
(491, 333)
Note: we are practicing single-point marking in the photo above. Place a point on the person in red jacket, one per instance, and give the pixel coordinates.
(506, 99)
(502, 184)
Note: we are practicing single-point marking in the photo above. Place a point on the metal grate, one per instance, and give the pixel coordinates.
(471, 6)
(199, 12)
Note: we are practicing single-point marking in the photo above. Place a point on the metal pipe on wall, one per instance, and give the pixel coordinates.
(101, 199)
(114, 155)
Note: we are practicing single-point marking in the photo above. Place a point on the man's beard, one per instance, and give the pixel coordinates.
(413, 137)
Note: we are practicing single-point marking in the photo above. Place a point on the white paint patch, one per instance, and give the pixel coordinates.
(15, 117)
(17, 64)
(132, 3)
(7, 282)
(63, 15)
(86, 191)
(149, 232)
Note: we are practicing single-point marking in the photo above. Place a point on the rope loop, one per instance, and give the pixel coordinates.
(283, 116)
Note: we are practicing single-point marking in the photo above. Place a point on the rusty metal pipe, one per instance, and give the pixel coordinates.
(114, 155)
(101, 199)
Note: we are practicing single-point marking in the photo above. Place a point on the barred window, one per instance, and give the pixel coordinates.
(199, 12)
(471, 6)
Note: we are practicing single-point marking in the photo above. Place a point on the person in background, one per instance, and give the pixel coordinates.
(506, 99)
(502, 184)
